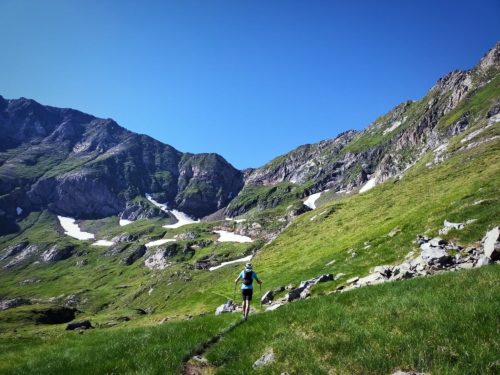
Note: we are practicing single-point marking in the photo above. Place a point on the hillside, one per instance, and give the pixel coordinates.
(422, 178)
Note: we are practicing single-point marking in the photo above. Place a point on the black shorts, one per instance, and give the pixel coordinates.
(247, 294)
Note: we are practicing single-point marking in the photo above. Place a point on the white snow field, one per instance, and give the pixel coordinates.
(103, 243)
(73, 230)
(369, 185)
(311, 200)
(159, 242)
(182, 218)
(124, 222)
(245, 259)
(225, 236)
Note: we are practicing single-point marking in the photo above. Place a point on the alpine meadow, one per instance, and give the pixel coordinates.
(378, 249)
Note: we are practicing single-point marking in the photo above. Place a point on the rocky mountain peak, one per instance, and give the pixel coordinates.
(492, 58)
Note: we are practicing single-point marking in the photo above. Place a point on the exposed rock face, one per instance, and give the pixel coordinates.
(14, 302)
(137, 253)
(159, 259)
(88, 167)
(136, 211)
(387, 148)
(25, 254)
(57, 253)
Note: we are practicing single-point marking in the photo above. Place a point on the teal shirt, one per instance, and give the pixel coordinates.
(242, 275)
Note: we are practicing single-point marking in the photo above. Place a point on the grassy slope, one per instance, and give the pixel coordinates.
(140, 350)
(446, 324)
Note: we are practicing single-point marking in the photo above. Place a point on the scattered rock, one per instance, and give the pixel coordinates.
(13, 302)
(274, 306)
(491, 244)
(448, 226)
(266, 359)
(267, 297)
(332, 262)
(393, 232)
(30, 281)
(82, 324)
(229, 306)
(338, 276)
(82, 262)
(295, 293)
(22, 256)
(352, 280)
(305, 293)
(72, 300)
(482, 261)
(187, 236)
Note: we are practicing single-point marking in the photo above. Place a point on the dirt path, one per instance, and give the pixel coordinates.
(194, 363)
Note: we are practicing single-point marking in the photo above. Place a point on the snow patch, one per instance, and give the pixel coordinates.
(182, 219)
(311, 200)
(72, 229)
(369, 185)
(19, 211)
(236, 220)
(124, 222)
(241, 260)
(103, 243)
(225, 236)
(160, 242)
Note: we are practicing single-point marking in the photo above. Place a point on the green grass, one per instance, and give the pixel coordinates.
(476, 103)
(140, 350)
(446, 324)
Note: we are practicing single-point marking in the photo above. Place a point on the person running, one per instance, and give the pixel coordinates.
(247, 276)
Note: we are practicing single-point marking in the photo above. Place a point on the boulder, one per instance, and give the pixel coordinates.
(13, 302)
(305, 293)
(267, 358)
(57, 253)
(294, 294)
(82, 324)
(229, 306)
(482, 261)
(267, 297)
(435, 256)
(491, 244)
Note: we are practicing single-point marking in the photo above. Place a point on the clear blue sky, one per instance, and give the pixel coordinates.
(247, 79)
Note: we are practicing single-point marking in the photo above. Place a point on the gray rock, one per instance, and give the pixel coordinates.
(385, 271)
(352, 280)
(305, 293)
(82, 324)
(124, 237)
(267, 358)
(136, 254)
(435, 256)
(491, 244)
(13, 250)
(227, 307)
(294, 294)
(279, 289)
(157, 261)
(372, 279)
(339, 275)
(482, 261)
(14, 302)
(267, 297)
(437, 241)
(57, 253)
(187, 236)
(274, 306)
(393, 232)
(22, 256)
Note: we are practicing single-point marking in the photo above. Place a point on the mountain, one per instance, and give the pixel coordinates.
(386, 148)
(354, 238)
(77, 165)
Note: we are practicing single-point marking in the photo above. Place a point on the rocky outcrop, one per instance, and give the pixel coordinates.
(159, 259)
(491, 244)
(57, 253)
(227, 307)
(82, 324)
(13, 250)
(25, 254)
(13, 302)
(136, 253)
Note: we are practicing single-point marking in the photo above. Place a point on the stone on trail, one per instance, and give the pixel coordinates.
(229, 306)
(266, 359)
(492, 244)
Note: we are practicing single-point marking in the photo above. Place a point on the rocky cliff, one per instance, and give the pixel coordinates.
(78, 165)
(390, 145)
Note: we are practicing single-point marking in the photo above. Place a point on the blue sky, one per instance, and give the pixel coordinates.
(247, 79)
